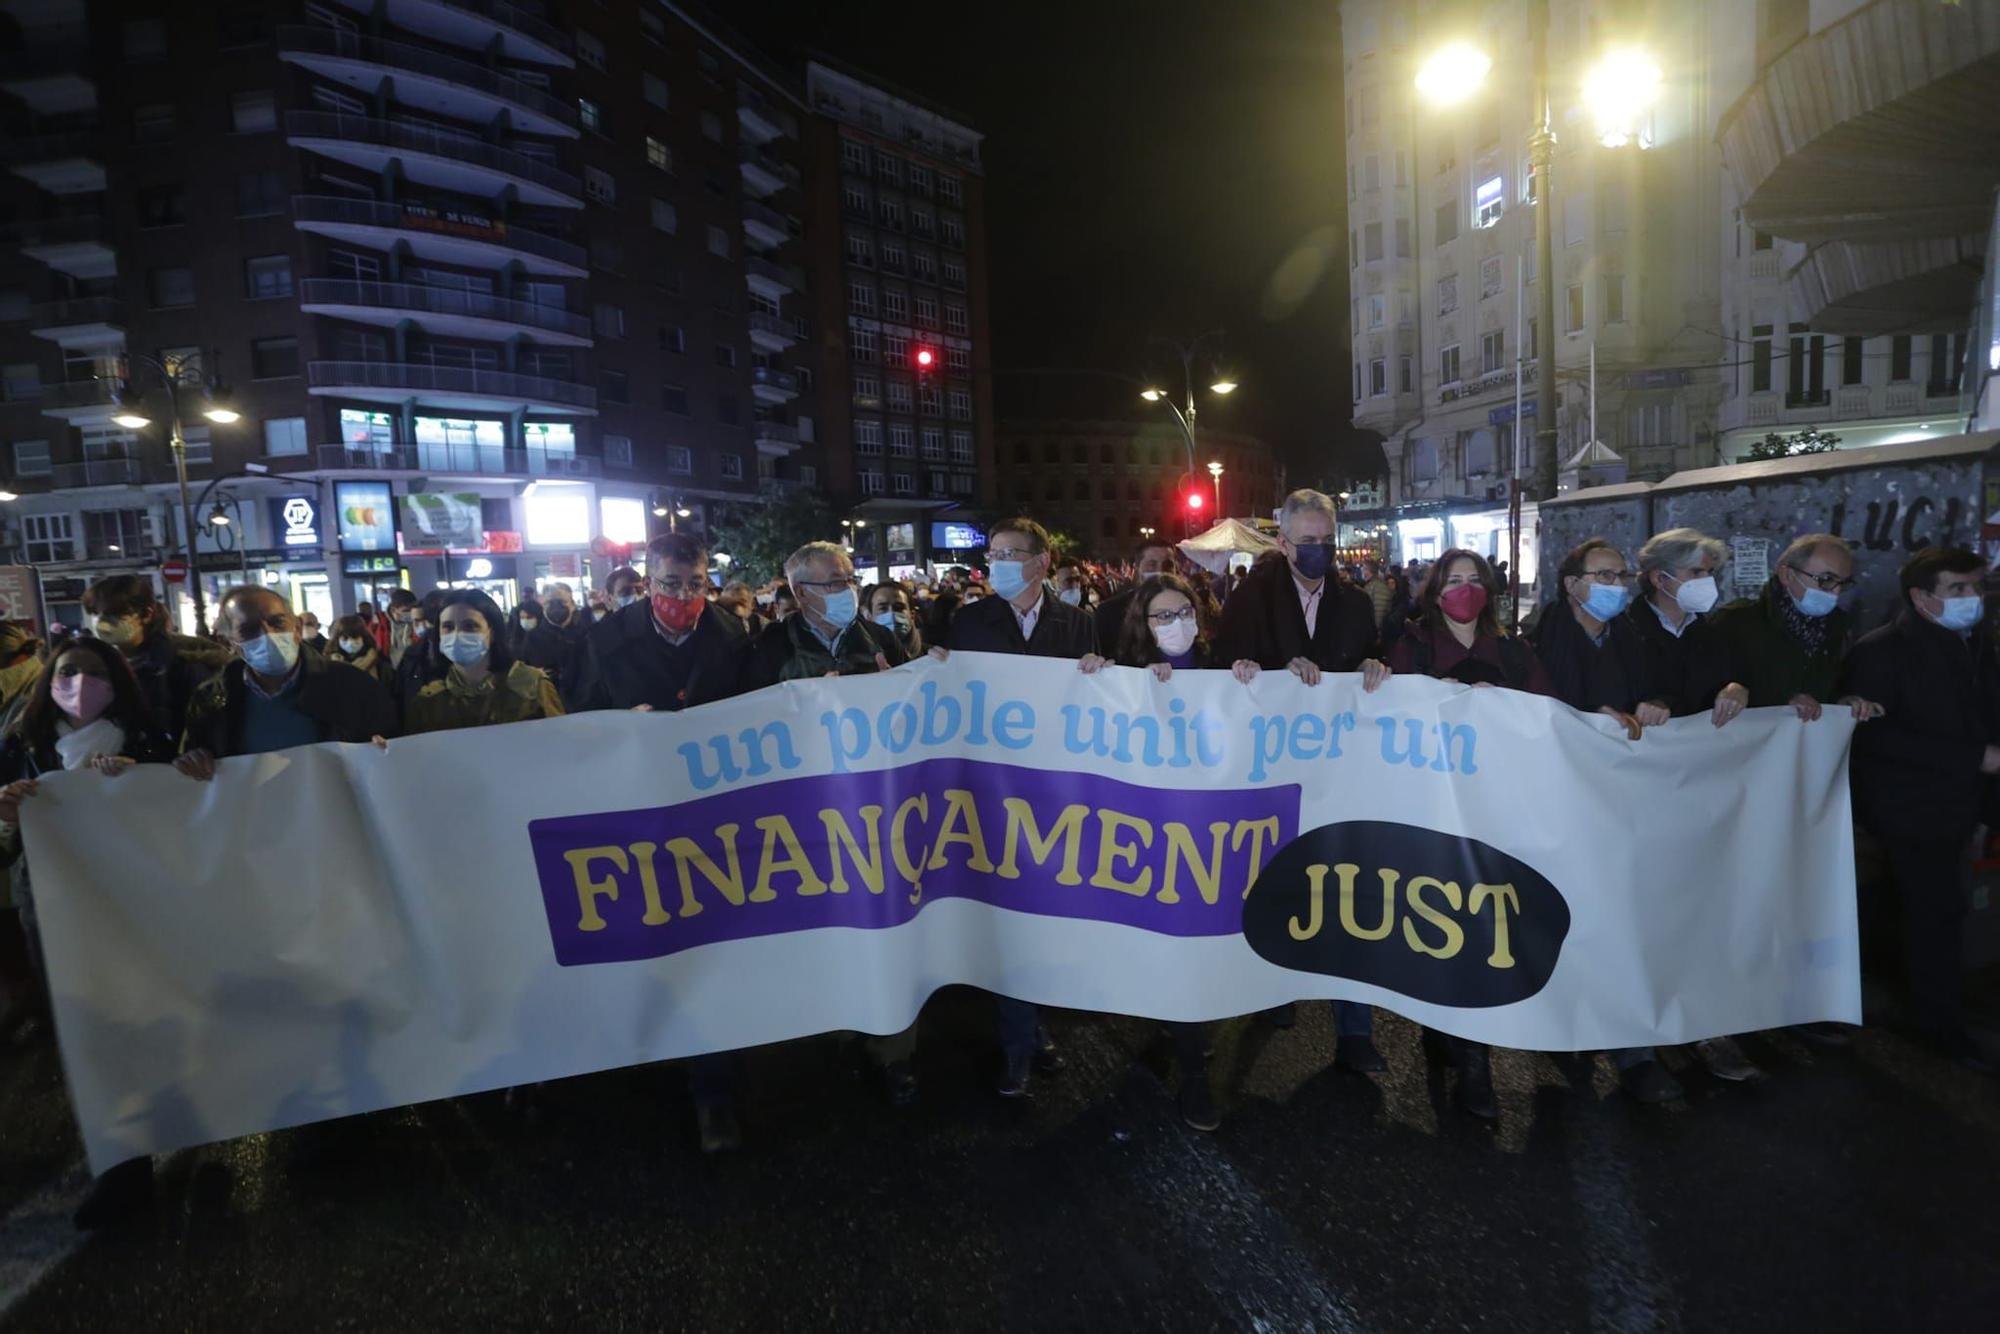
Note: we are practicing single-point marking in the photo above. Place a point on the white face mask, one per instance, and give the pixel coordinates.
(351, 647)
(1698, 596)
(1174, 639)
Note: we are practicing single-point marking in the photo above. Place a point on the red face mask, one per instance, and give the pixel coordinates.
(677, 615)
(1463, 602)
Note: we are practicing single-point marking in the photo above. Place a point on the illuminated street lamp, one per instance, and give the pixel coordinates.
(176, 373)
(1215, 471)
(1619, 90)
(1453, 73)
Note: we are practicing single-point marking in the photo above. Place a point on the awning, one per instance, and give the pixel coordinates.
(1211, 550)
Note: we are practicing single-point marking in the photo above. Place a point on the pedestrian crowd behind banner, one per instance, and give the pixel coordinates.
(1640, 636)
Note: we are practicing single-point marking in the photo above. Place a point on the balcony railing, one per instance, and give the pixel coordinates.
(419, 378)
(49, 147)
(784, 275)
(430, 64)
(78, 394)
(418, 139)
(765, 323)
(749, 99)
(513, 16)
(767, 216)
(777, 432)
(98, 472)
(440, 301)
(70, 230)
(1808, 398)
(772, 166)
(440, 222)
(457, 458)
(776, 379)
(84, 310)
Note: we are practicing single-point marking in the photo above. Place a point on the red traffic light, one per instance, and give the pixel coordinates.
(1195, 500)
(926, 358)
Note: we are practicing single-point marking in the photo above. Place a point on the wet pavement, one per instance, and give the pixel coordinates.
(1853, 1189)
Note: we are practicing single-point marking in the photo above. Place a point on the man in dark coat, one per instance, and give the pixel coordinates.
(671, 650)
(829, 636)
(279, 694)
(1785, 646)
(1151, 559)
(1920, 771)
(1023, 617)
(1670, 617)
(1292, 613)
(170, 667)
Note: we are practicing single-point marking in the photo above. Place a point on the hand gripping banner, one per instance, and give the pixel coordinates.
(334, 929)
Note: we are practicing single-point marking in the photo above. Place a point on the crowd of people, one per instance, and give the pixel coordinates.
(1642, 637)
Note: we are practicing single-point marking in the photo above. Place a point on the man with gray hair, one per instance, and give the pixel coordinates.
(1677, 590)
(1294, 614)
(1785, 646)
(829, 636)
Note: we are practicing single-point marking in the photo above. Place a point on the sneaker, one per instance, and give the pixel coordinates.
(1825, 1034)
(1198, 1105)
(1649, 1082)
(1014, 1079)
(1359, 1055)
(1283, 1016)
(1048, 1059)
(717, 1125)
(119, 1196)
(1725, 1060)
(901, 1081)
(1475, 1085)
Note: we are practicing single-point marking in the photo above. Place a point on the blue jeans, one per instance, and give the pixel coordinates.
(1019, 1022)
(1352, 1019)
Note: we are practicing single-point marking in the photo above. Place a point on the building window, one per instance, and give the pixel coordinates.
(1378, 377)
(1447, 223)
(31, 458)
(933, 444)
(927, 312)
(274, 358)
(608, 320)
(950, 189)
(199, 447)
(1760, 359)
(725, 356)
(868, 435)
(1614, 298)
(718, 242)
(598, 185)
(854, 157)
(284, 435)
(1371, 241)
(895, 304)
(1899, 358)
(867, 387)
(961, 447)
(590, 115)
(1448, 365)
(153, 123)
(614, 386)
(902, 441)
(860, 250)
(110, 533)
(955, 319)
(1490, 277)
(728, 409)
(1402, 238)
(617, 451)
(899, 395)
(1853, 357)
(1404, 376)
(259, 193)
(953, 232)
(871, 483)
(1805, 371)
(1492, 352)
(920, 180)
(672, 338)
(1575, 310)
(961, 405)
(732, 467)
(926, 266)
(654, 89)
(665, 219)
(48, 538)
(161, 206)
(1489, 201)
(861, 299)
(954, 273)
(1447, 294)
(864, 345)
(905, 485)
(711, 127)
(658, 154)
(674, 399)
(267, 276)
(680, 459)
(958, 360)
(589, 49)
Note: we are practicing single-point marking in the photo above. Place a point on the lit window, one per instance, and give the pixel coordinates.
(1489, 201)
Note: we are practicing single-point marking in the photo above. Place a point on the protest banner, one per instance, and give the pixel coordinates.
(334, 929)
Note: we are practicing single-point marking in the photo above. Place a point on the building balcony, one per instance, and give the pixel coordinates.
(773, 386)
(445, 236)
(478, 25)
(442, 310)
(763, 226)
(771, 333)
(761, 119)
(77, 245)
(1900, 398)
(455, 162)
(1851, 401)
(452, 387)
(425, 80)
(44, 69)
(97, 472)
(456, 459)
(764, 175)
(91, 322)
(772, 281)
(776, 439)
(1865, 289)
(69, 163)
(79, 401)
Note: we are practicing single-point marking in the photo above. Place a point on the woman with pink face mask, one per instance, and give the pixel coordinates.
(86, 712)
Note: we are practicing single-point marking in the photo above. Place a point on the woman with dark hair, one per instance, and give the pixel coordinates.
(481, 682)
(1455, 636)
(86, 712)
(353, 643)
(530, 637)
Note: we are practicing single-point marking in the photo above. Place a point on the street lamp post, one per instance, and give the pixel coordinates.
(1184, 416)
(175, 374)
(1215, 472)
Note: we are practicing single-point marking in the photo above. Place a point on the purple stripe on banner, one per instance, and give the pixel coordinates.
(868, 850)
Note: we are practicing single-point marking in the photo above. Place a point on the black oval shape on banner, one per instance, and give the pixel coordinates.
(1437, 917)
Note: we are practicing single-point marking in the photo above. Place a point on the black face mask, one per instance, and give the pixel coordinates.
(559, 613)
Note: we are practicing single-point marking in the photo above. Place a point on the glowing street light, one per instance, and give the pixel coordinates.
(1453, 73)
(1619, 90)
(1152, 395)
(1215, 471)
(1223, 387)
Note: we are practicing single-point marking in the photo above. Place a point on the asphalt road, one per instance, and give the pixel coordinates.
(1853, 1189)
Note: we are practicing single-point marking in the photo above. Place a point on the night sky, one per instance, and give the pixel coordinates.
(1152, 169)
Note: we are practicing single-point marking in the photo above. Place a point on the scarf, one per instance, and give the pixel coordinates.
(76, 745)
(1809, 631)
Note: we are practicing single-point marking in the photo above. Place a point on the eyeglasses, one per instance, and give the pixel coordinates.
(1825, 580)
(1608, 577)
(1015, 553)
(826, 586)
(1163, 619)
(676, 588)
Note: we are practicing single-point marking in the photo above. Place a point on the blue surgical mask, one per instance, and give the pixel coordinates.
(1817, 603)
(1009, 577)
(271, 654)
(463, 648)
(625, 600)
(889, 620)
(1961, 613)
(1606, 600)
(1312, 559)
(1073, 596)
(841, 608)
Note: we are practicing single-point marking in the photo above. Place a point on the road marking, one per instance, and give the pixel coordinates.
(38, 1235)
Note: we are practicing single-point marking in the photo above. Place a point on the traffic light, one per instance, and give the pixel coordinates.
(924, 357)
(1195, 500)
